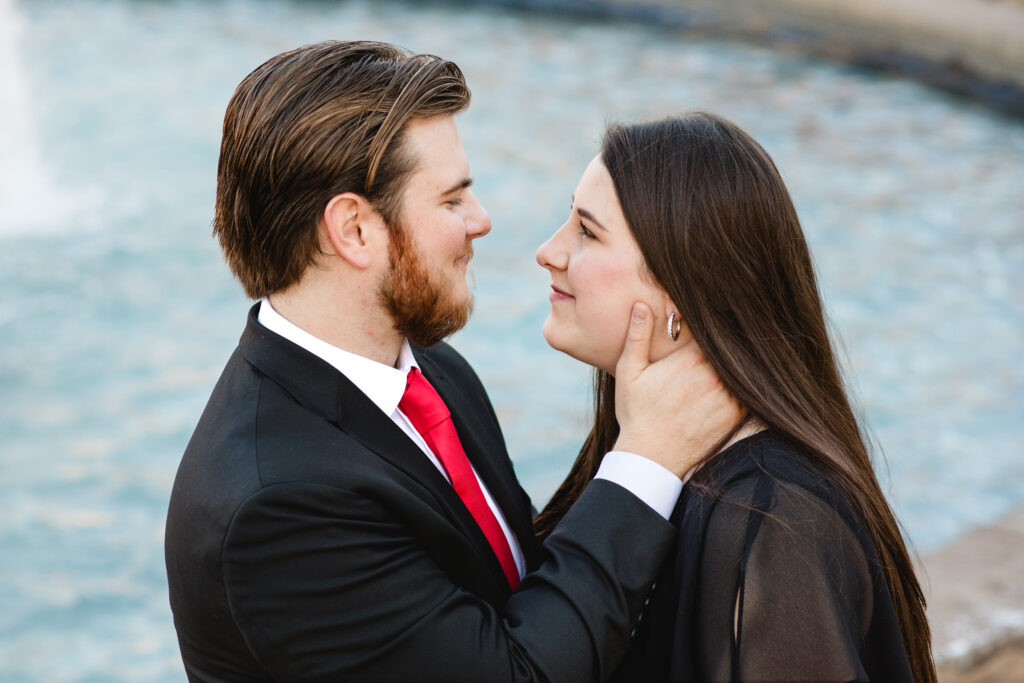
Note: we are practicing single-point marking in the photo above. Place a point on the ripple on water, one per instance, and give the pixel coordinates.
(120, 312)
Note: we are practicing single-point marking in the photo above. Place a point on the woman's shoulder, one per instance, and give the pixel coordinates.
(779, 562)
(766, 477)
(764, 457)
(768, 506)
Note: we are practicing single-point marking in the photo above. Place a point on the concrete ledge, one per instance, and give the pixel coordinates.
(984, 37)
(975, 595)
(1006, 664)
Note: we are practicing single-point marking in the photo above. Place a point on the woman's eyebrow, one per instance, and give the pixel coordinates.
(590, 217)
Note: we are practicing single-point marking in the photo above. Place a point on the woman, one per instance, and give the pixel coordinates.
(790, 563)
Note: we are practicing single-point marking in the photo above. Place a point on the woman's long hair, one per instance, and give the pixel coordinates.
(718, 231)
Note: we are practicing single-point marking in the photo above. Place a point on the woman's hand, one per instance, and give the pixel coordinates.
(672, 411)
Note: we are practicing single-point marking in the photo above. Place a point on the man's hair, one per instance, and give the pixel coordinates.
(307, 125)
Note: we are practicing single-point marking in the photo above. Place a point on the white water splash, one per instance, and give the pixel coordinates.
(979, 632)
(31, 202)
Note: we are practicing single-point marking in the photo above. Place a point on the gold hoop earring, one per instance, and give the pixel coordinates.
(674, 325)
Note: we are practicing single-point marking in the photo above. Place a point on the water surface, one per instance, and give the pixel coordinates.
(118, 314)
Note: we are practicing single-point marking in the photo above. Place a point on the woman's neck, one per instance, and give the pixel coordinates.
(753, 426)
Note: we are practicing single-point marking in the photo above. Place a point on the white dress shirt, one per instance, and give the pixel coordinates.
(384, 385)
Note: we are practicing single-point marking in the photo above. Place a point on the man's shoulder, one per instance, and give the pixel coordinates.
(254, 434)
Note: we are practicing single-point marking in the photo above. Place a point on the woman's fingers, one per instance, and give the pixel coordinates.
(636, 354)
(672, 411)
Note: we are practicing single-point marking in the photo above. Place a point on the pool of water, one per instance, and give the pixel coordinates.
(117, 313)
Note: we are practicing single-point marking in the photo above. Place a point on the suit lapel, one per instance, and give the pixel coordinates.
(365, 422)
(481, 450)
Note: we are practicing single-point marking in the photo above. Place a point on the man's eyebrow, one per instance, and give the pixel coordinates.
(461, 185)
(590, 217)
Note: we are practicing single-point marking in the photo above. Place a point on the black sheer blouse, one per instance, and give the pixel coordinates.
(774, 579)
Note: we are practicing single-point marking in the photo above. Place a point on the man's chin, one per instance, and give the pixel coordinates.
(430, 330)
(463, 301)
(425, 307)
(462, 289)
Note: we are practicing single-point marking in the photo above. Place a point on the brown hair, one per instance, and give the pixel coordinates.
(310, 124)
(718, 231)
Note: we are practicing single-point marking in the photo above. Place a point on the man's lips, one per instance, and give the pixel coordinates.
(559, 294)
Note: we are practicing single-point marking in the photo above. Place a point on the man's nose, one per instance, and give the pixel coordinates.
(478, 222)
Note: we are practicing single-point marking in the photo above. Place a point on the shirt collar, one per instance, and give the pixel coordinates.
(382, 384)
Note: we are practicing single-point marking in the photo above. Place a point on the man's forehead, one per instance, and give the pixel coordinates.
(436, 133)
(441, 161)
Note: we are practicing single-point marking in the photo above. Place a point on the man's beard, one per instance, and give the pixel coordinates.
(423, 309)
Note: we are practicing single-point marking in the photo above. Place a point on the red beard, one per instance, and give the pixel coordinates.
(423, 309)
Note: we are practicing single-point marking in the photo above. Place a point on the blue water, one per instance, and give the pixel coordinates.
(117, 312)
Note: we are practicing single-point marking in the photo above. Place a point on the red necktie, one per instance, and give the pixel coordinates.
(430, 416)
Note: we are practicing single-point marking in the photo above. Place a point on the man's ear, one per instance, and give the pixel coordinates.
(353, 228)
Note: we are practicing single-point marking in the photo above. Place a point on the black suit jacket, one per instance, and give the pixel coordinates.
(308, 538)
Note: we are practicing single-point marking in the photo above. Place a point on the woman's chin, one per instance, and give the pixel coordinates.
(555, 340)
(552, 339)
(574, 351)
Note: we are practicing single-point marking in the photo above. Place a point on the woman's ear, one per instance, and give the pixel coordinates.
(683, 334)
(674, 320)
(353, 229)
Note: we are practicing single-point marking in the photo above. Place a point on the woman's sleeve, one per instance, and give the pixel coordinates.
(786, 589)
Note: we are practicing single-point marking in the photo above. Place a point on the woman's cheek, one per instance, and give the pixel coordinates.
(608, 326)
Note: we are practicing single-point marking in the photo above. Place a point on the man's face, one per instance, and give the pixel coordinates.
(425, 290)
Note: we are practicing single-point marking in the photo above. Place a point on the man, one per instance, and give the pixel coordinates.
(330, 520)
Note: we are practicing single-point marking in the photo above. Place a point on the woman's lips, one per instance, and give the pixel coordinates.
(559, 295)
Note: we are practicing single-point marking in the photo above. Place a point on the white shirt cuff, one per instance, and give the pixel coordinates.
(644, 478)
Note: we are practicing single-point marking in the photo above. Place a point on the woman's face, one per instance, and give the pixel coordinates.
(596, 268)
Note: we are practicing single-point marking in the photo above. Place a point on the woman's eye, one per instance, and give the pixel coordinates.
(454, 202)
(586, 233)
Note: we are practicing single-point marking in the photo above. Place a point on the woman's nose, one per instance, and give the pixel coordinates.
(551, 255)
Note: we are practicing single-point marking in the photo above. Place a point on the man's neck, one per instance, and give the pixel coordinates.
(357, 326)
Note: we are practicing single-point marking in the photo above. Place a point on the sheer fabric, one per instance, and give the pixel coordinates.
(774, 579)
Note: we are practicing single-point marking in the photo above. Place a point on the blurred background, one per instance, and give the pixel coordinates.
(117, 312)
